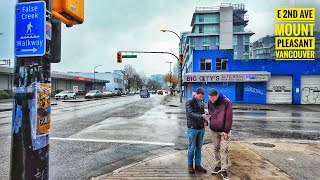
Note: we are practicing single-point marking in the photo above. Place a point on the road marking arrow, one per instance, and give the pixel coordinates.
(29, 50)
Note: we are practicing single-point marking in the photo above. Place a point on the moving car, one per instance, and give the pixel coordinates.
(93, 94)
(144, 94)
(65, 95)
(160, 92)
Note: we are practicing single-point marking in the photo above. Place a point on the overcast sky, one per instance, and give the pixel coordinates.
(112, 25)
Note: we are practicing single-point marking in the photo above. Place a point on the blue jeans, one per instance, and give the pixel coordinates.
(195, 137)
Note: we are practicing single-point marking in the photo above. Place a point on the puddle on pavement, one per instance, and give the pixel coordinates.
(264, 145)
(175, 113)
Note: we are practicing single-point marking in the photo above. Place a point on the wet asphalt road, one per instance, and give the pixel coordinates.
(89, 139)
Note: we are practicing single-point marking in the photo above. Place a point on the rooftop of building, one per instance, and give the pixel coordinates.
(216, 9)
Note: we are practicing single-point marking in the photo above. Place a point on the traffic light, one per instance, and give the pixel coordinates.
(119, 57)
(181, 58)
(70, 12)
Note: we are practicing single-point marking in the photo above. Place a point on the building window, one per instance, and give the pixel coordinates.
(205, 40)
(200, 28)
(192, 41)
(246, 39)
(205, 47)
(205, 64)
(246, 49)
(221, 64)
(201, 19)
(235, 40)
(205, 43)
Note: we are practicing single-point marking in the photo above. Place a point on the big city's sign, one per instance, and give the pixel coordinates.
(226, 77)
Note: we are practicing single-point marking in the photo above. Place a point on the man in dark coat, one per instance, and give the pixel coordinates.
(196, 122)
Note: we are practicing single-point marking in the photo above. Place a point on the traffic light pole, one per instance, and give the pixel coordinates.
(31, 112)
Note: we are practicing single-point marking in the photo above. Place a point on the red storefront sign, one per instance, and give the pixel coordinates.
(81, 78)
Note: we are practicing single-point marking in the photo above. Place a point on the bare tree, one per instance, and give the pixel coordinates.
(143, 78)
(129, 76)
(138, 83)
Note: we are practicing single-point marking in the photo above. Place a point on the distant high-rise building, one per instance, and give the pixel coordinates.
(264, 48)
(158, 78)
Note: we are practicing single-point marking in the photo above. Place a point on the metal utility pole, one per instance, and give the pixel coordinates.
(32, 88)
(94, 77)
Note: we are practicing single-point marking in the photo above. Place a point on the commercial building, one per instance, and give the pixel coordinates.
(60, 81)
(243, 80)
(113, 80)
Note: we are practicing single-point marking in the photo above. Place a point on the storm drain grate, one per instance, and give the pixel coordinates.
(173, 105)
(265, 145)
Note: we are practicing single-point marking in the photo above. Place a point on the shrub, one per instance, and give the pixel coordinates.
(4, 94)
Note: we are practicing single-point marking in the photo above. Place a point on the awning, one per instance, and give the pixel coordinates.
(234, 76)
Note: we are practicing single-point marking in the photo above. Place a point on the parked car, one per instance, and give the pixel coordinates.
(108, 94)
(132, 93)
(160, 92)
(153, 92)
(65, 95)
(124, 92)
(118, 93)
(93, 94)
(144, 94)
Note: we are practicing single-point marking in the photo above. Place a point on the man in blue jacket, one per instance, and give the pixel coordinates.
(196, 122)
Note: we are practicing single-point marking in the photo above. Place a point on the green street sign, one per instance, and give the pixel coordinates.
(129, 56)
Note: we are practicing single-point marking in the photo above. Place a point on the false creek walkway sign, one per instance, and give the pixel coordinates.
(30, 29)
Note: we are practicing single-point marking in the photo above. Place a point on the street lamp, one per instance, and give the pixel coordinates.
(170, 78)
(180, 41)
(94, 77)
(170, 71)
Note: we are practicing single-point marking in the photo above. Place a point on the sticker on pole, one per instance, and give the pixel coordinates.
(30, 29)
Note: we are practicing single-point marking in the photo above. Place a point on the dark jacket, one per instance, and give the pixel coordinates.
(194, 114)
(221, 114)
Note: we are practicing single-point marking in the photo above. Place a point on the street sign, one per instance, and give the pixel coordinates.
(129, 56)
(30, 29)
(75, 89)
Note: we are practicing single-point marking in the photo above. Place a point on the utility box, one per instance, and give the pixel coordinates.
(72, 10)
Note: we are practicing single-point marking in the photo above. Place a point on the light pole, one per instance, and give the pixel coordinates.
(165, 30)
(170, 71)
(94, 77)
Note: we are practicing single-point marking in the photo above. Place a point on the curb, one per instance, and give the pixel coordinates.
(10, 109)
(131, 165)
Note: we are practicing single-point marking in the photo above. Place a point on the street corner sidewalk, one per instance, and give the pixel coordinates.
(246, 164)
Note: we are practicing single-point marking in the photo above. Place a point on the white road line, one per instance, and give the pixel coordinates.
(114, 141)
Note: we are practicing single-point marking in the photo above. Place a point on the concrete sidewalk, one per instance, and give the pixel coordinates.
(246, 164)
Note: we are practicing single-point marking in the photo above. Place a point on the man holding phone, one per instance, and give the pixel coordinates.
(220, 109)
(196, 122)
